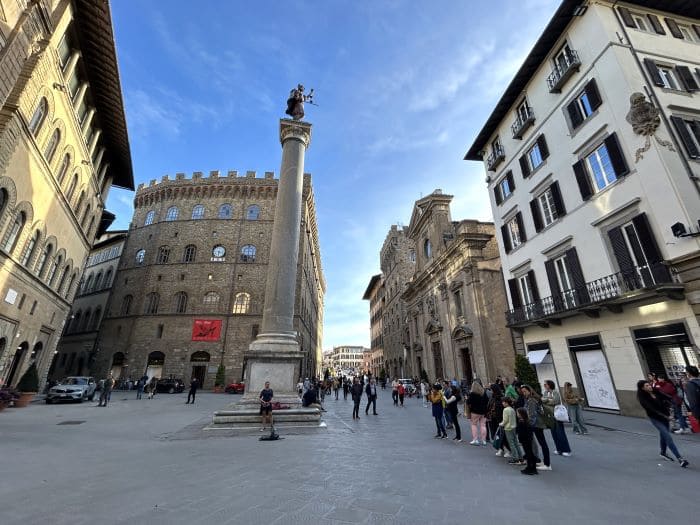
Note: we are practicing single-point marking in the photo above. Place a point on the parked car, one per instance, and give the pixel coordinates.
(170, 385)
(235, 388)
(409, 386)
(74, 388)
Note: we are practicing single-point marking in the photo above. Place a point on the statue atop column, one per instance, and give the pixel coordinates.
(295, 102)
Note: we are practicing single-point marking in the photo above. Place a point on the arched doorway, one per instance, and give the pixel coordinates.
(17, 363)
(154, 367)
(3, 347)
(118, 362)
(200, 363)
(36, 351)
(462, 336)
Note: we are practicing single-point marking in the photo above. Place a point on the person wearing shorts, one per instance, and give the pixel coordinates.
(266, 395)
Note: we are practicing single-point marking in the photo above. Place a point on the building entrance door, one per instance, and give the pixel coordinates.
(16, 362)
(199, 372)
(467, 372)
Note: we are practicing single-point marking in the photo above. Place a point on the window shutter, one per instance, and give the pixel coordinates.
(687, 78)
(673, 27)
(524, 166)
(584, 184)
(536, 216)
(617, 158)
(558, 201)
(627, 17)
(593, 94)
(514, 295)
(573, 266)
(554, 289)
(542, 143)
(653, 71)
(506, 238)
(497, 194)
(521, 226)
(646, 238)
(619, 246)
(511, 182)
(574, 114)
(656, 24)
(533, 285)
(687, 139)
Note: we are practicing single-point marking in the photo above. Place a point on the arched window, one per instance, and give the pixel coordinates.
(190, 253)
(51, 146)
(62, 280)
(71, 189)
(38, 117)
(225, 211)
(151, 303)
(198, 212)
(172, 214)
(252, 213)
(163, 255)
(140, 256)
(87, 284)
(52, 270)
(98, 282)
(108, 279)
(70, 285)
(41, 263)
(79, 205)
(89, 230)
(3, 200)
(14, 232)
(85, 320)
(149, 218)
(65, 164)
(180, 302)
(211, 299)
(96, 319)
(126, 305)
(241, 303)
(75, 324)
(248, 253)
(427, 249)
(29, 249)
(86, 215)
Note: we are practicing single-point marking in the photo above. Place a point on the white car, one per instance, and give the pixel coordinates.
(74, 388)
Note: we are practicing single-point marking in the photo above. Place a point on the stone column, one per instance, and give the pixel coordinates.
(275, 355)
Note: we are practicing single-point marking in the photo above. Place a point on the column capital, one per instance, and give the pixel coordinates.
(295, 129)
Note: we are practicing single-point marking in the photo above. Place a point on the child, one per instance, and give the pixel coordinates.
(509, 425)
(525, 436)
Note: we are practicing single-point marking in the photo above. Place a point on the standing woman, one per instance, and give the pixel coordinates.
(435, 397)
(550, 399)
(658, 413)
(573, 403)
(477, 402)
(494, 413)
(535, 413)
(452, 408)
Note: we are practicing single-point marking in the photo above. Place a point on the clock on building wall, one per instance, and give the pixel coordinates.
(218, 251)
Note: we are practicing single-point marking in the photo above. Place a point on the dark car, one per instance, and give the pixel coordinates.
(170, 386)
(235, 388)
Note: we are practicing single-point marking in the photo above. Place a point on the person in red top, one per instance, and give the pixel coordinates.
(668, 389)
(402, 393)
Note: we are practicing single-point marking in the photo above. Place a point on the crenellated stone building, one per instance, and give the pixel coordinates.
(189, 291)
(375, 295)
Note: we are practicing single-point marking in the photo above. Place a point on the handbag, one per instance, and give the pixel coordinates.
(497, 440)
(561, 413)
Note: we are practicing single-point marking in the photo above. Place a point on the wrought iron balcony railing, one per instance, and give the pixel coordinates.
(525, 119)
(565, 66)
(606, 290)
(497, 156)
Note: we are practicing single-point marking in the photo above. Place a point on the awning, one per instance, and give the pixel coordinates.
(537, 356)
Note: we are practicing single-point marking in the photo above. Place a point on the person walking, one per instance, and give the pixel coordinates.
(550, 399)
(266, 395)
(371, 391)
(535, 414)
(106, 393)
(477, 402)
(692, 391)
(395, 392)
(509, 424)
(140, 384)
(436, 399)
(452, 408)
(573, 404)
(151, 387)
(525, 435)
(356, 393)
(194, 384)
(336, 387)
(402, 393)
(667, 388)
(657, 411)
(346, 388)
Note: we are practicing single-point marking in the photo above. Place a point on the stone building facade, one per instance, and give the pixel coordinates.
(347, 358)
(456, 298)
(375, 295)
(190, 287)
(63, 144)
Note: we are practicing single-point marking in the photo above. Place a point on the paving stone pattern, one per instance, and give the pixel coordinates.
(149, 461)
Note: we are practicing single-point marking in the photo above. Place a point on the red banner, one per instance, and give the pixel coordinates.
(206, 330)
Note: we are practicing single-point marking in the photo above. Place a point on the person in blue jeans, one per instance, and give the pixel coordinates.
(435, 399)
(551, 398)
(657, 411)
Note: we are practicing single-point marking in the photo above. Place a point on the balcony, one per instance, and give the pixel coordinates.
(526, 118)
(497, 156)
(645, 283)
(566, 64)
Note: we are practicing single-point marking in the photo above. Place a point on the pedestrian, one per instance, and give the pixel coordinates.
(452, 407)
(477, 402)
(140, 384)
(371, 391)
(266, 395)
(550, 399)
(657, 411)
(573, 404)
(336, 387)
(356, 393)
(509, 424)
(525, 435)
(494, 415)
(151, 388)
(402, 392)
(424, 393)
(436, 400)
(106, 393)
(535, 414)
(667, 388)
(346, 388)
(395, 392)
(692, 391)
(194, 384)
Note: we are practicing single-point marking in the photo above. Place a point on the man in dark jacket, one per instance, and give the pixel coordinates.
(356, 393)
(194, 384)
(692, 390)
(371, 391)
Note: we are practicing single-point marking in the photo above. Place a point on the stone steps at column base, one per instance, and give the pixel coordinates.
(244, 417)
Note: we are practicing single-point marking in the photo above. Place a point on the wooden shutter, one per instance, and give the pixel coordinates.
(533, 285)
(536, 215)
(514, 294)
(687, 78)
(673, 27)
(656, 24)
(542, 143)
(619, 246)
(506, 238)
(558, 201)
(654, 72)
(554, 288)
(511, 182)
(574, 113)
(524, 166)
(497, 194)
(584, 183)
(593, 94)
(573, 266)
(686, 138)
(646, 238)
(521, 226)
(627, 17)
(617, 158)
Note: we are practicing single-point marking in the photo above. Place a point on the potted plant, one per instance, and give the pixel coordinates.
(220, 381)
(28, 386)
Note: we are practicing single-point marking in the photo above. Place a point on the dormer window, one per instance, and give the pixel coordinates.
(497, 154)
(427, 249)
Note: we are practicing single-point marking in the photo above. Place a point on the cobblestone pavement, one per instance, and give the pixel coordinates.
(149, 461)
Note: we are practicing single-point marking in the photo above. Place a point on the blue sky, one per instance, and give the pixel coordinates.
(402, 88)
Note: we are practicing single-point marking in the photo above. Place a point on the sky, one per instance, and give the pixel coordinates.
(402, 89)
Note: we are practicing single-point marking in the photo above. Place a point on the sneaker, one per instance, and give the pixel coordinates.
(499, 453)
(513, 461)
(539, 464)
(687, 431)
(678, 431)
(262, 429)
(666, 457)
(684, 463)
(437, 436)
(444, 436)
(576, 432)
(544, 467)
(507, 455)
(475, 442)
(484, 443)
(457, 440)
(557, 453)
(566, 454)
